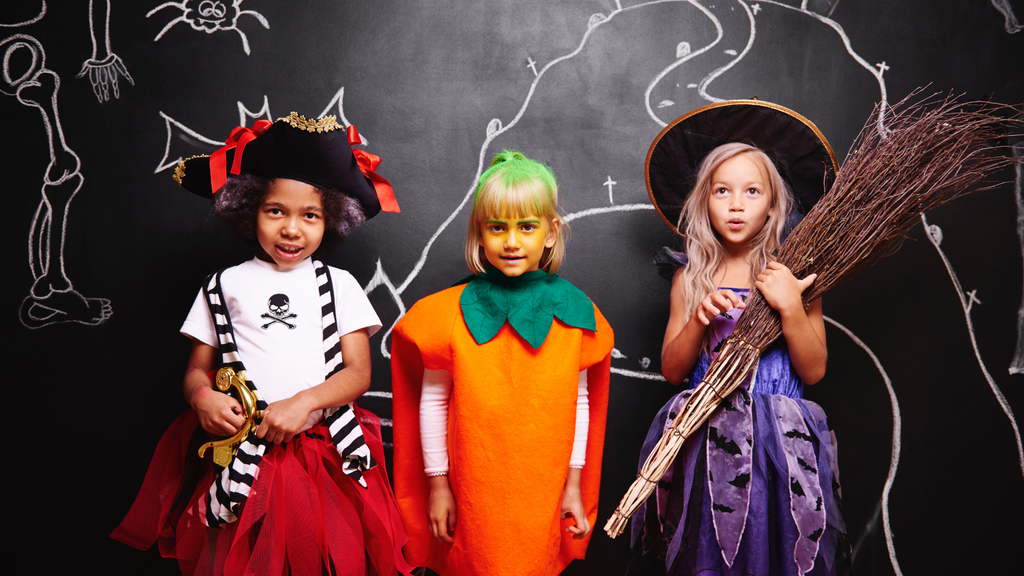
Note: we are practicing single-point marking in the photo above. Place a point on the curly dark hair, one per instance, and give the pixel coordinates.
(237, 204)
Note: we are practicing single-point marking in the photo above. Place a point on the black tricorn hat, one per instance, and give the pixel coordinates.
(799, 151)
(317, 152)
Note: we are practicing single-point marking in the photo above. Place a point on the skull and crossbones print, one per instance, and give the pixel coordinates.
(279, 306)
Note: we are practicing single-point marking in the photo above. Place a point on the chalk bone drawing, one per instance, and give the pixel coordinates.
(1010, 23)
(52, 299)
(103, 69)
(209, 16)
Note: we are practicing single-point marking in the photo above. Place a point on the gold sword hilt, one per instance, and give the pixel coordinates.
(224, 449)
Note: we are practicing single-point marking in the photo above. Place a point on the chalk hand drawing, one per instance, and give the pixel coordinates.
(1017, 366)
(209, 16)
(1011, 24)
(103, 69)
(52, 299)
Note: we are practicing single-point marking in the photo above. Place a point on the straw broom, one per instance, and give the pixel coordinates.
(932, 152)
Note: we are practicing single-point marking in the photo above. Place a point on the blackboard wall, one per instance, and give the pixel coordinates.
(437, 88)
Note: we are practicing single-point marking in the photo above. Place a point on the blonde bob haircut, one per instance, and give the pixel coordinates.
(512, 187)
(704, 245)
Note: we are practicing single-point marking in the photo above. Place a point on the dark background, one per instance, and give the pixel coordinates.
(85, 405)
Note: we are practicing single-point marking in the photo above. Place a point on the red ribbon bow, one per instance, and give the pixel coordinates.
(237, 140)
(367, 165)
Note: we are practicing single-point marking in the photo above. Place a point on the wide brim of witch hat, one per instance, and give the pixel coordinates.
(317, 152)
(800, 152)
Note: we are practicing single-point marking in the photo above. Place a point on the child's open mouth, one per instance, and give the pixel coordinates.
(288, 251)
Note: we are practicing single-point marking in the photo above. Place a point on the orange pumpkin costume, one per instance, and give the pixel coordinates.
(511, 425)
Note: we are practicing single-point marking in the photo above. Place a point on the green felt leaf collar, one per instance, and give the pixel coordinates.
(529, 302)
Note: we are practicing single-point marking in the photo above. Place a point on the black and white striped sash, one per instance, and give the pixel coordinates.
(231, 485)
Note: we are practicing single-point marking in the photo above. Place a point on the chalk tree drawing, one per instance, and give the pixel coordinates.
(52, 299)
(894, 458)
(967, 300)
(209, 16)
(103, 69)
(1017, 366)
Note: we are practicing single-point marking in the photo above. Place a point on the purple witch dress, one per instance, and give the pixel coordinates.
(756, 490)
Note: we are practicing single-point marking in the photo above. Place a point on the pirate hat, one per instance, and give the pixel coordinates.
(801, 154)
(317, 152)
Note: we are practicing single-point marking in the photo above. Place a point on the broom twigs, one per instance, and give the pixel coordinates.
(932, 151)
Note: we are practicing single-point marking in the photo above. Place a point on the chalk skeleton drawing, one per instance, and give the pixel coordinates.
(1010, 22)
(52, 298)
(103, 69)
(209, 16)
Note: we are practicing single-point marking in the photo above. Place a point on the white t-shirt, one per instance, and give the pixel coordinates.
(276, 314)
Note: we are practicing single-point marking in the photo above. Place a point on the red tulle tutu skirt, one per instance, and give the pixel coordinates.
(304, 515)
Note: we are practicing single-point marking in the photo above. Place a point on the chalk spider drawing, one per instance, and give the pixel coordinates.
(103, 71)
(209, 16)
(52, 299)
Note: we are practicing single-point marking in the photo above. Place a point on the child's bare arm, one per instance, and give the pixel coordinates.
(683, 336)
(572, 505)
(441, 509)
(219, 413)
(804, 330)
(285, 418)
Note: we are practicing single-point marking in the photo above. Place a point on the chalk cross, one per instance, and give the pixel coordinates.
(532, 65)
(609, 183)
(756, 8)
(882, 67)
(971, 299)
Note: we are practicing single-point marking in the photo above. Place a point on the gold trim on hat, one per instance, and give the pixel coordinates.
(750, 102)
(325, 124)
(179, 170)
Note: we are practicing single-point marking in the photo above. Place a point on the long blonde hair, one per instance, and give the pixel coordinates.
(703, 244)
(515, 185)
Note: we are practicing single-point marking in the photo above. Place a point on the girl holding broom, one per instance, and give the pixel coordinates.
(755, 492)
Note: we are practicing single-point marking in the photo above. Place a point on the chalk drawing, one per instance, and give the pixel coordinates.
(706, 81)
(532, 65)
(33, 20)
(208, 16)
(1010, 19)
(103, 69)
(894, 459)
(1017, 366)
(974, 342)
(610, 183)
(52, 298)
